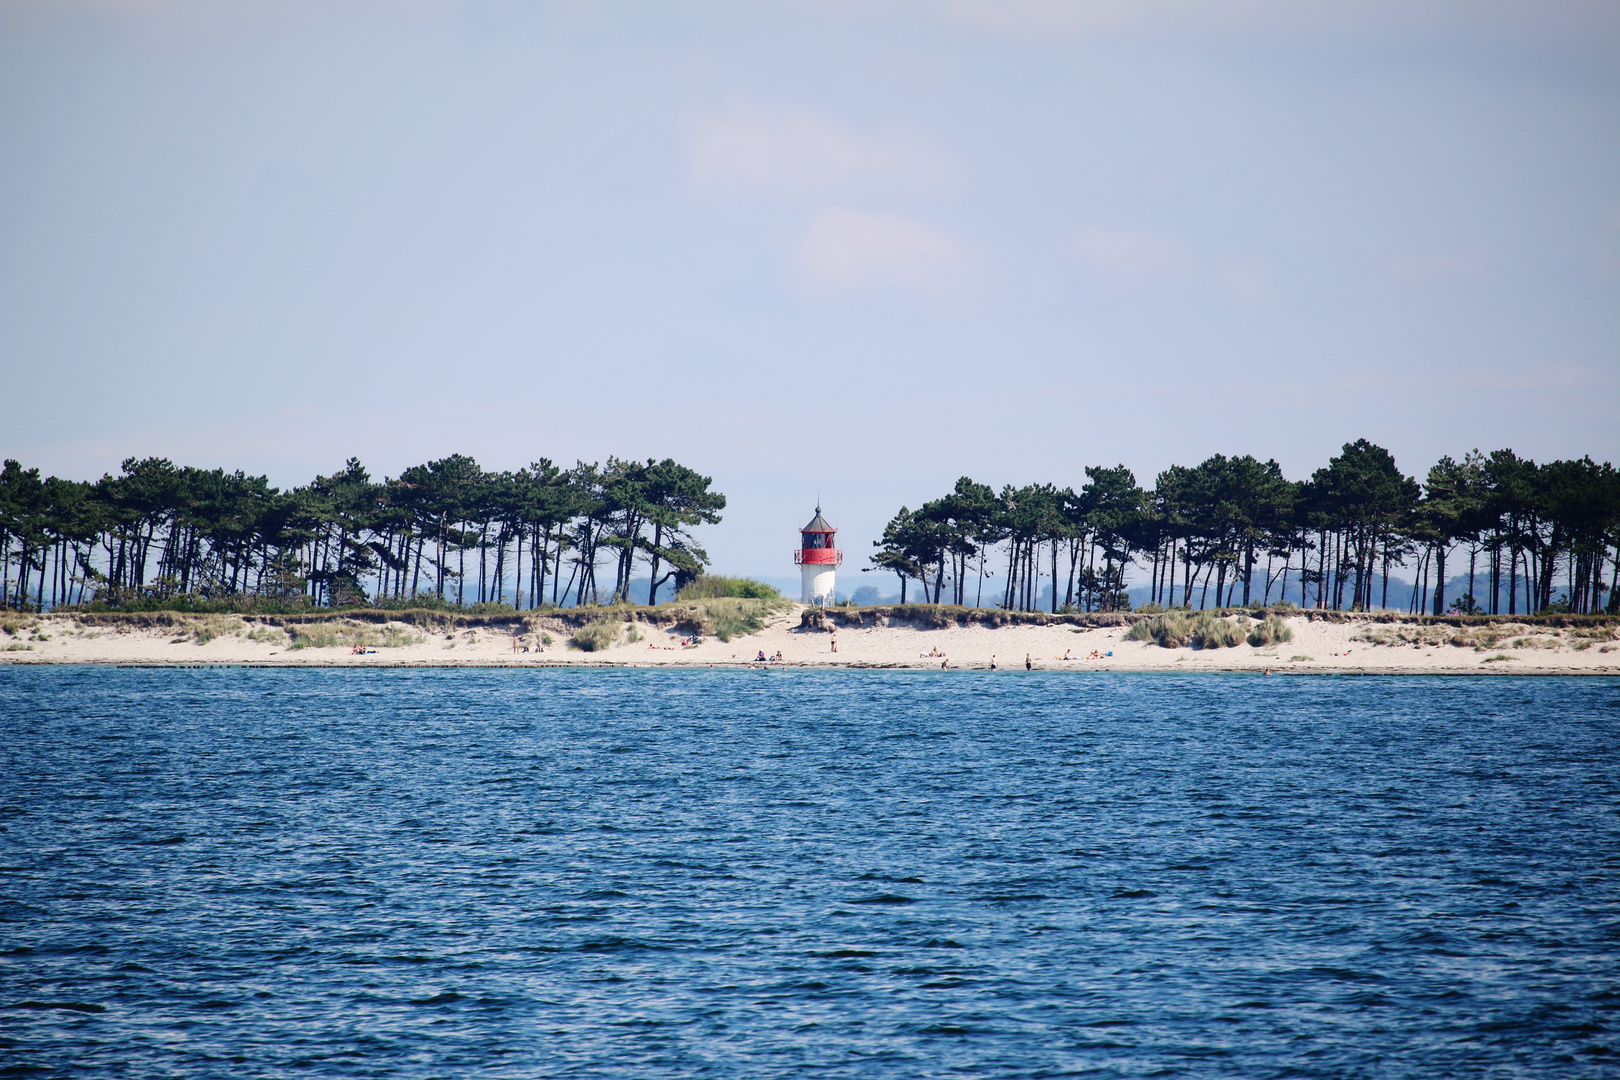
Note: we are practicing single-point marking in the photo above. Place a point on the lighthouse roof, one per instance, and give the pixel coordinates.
(818, 524)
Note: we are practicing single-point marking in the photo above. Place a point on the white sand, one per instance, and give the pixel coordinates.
(1317, 646)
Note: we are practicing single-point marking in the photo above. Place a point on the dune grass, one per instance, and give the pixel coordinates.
(1270, 630)
(726, 617)
(597, 635)
(716, 586)
(342, 632)
(1203, 630)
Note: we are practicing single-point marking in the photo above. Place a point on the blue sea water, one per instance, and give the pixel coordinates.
(460, 873)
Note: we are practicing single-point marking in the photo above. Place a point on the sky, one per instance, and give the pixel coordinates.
(812, 248)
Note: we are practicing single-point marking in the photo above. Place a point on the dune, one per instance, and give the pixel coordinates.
(1320, 642)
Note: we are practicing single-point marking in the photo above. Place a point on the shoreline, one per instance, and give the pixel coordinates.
(1343, 643)
(1294, 672)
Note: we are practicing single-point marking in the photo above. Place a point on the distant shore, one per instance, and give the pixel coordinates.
(916, 637)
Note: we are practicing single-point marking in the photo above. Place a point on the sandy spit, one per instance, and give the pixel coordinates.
(1349, 647)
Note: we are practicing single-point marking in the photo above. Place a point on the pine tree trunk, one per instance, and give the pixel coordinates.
(1440, 577)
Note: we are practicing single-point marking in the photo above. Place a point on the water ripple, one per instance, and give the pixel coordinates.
(220, 873)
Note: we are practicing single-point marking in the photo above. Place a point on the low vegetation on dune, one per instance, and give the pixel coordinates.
(1516, 635)
(206, 628)
(11, 623)
(725, 617)
(1270, 630)
(344, 632)
(725, 607)
(716, 586)
(598, 634)
(710, 606)
(1206, 630)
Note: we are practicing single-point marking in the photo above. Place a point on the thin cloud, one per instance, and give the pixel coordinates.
(1470, 265)
(1134, 259)
(1247, 280)
(797, 152)
(1576, 23)
(1043, 18)
(1606, 252)
(856, 251)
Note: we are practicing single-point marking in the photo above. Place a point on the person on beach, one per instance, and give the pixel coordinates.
(1029, 664)
(992, 661)
(945, 664)
(835, 641)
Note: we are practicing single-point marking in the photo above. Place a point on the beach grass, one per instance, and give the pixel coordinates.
(338, 633)
(716, 586)
(725, 617)
(1204, 630)
(1270, 630)
(597, 635)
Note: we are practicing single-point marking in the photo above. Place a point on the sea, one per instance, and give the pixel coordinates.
(234, 872)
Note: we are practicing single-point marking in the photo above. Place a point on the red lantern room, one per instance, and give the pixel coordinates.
(818, 561)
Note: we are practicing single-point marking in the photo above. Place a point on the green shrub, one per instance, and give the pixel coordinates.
(1142, 631)
(740, 624)
(725, 617)
(597, 635)
(314, 637)
(1174, 630)
(209, 627)
(329, 635)
(1213, 632)
(1170, 630)
(1269, 631)
(713, 586)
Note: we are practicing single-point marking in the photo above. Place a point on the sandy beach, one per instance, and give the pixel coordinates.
(1363, 645)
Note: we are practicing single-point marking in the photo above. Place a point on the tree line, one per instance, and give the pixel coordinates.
(1234, 530)
(447, 529)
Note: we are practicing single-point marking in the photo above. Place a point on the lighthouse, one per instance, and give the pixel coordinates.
(818, 561)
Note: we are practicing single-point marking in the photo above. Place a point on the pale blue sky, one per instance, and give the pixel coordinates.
(849, 248)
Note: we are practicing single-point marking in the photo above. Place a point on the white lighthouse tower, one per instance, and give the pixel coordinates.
(818, 561)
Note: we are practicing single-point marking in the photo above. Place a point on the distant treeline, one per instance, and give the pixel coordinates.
(447, 530)
(1234, 530)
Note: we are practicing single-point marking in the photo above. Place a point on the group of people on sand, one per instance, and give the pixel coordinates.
(763, 659)
(361, 650)
(1068, 654)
